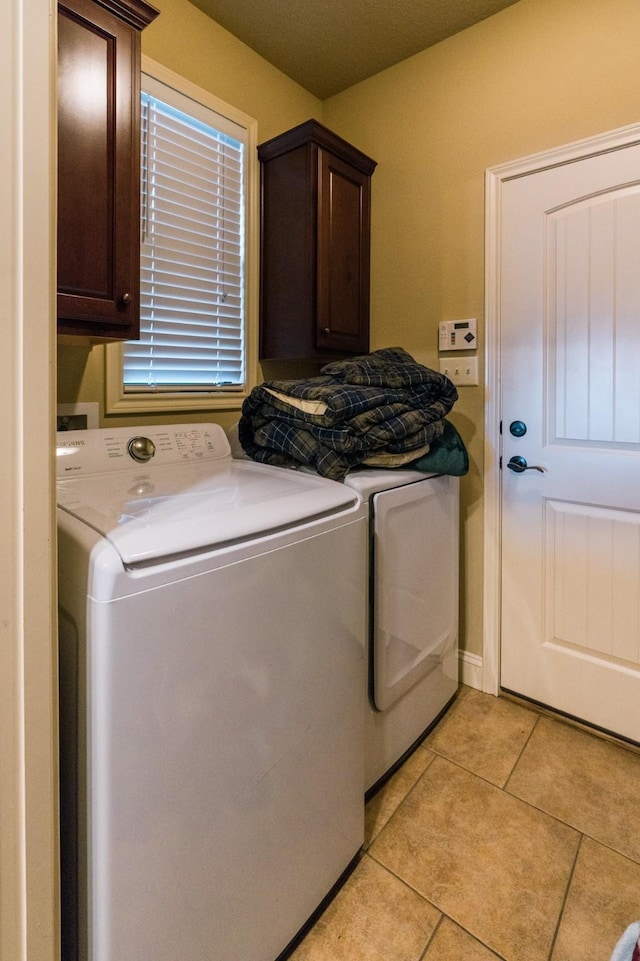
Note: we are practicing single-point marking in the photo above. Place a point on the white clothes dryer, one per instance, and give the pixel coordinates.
(211, 653)
(412, 609)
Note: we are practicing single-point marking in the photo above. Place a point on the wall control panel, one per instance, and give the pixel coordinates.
(457, 334)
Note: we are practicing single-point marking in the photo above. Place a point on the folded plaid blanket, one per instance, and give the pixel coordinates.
(381, 403)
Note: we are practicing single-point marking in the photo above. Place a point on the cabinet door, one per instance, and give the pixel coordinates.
(288, 256)
(343, 256)
(98, 172)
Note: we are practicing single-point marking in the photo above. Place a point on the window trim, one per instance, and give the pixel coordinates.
(119, 402)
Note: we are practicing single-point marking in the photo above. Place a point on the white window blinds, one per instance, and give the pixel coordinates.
(192, 324)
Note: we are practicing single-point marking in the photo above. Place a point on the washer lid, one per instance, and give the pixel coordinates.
(176, 510)
(151, 512)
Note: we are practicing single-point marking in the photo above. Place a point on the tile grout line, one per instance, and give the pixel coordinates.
(481, 777)
(410, 887)
(519, 758)
(400, 803)
(443, 914)
(583, 834)
(433, 934)
(564, 900)
(503, 790)
(497, 787)
(475, 938)
(564, 904)
(626, 744)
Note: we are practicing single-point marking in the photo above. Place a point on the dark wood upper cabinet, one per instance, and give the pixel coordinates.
(99, 166)
(315, 225)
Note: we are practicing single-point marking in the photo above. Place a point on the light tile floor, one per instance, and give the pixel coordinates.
(508, 834)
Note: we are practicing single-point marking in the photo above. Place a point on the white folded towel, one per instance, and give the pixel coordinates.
(628, 947)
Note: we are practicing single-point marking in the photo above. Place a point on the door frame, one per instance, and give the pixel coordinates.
(29, 874)
(495, 177)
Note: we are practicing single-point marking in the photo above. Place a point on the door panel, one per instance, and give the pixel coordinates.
(593, 579)
(593, 254)
(570, 359)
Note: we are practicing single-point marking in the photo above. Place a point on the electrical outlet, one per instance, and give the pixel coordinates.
(77, 416)
(461, 371)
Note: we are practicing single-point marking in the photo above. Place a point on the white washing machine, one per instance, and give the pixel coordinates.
(212, 647)
(412, 609)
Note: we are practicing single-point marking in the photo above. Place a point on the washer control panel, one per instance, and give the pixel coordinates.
(119, 448)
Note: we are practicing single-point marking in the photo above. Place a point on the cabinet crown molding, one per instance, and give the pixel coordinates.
(313, 131)
(136, 13)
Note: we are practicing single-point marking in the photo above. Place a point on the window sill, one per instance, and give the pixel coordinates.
(165, 402)
(119, 402)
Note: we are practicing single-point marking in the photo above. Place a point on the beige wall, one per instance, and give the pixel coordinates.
(183, 39)
(539, 74)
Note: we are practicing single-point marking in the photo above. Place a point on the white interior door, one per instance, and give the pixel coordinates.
(570, 365)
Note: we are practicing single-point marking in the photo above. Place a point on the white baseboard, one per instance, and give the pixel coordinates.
(470, 669)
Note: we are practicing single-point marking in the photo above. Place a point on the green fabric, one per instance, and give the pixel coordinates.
(446, 455)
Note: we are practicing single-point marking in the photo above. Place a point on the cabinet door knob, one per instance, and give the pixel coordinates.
(326, 330)
(125, 299)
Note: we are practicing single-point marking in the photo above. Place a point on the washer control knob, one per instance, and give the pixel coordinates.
(141, 449)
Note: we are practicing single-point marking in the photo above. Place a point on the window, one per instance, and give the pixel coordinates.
(197, 272)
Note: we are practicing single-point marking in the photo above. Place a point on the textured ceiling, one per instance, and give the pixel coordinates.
(329, 45)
